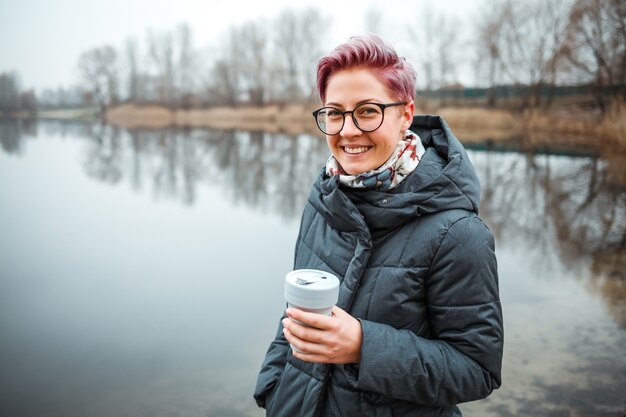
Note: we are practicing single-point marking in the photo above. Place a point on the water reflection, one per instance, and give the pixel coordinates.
(565, 217)
(270, 172)
(567, 207)
(560, 224)
(11, 131)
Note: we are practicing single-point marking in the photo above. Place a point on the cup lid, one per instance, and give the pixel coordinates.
(311, 288)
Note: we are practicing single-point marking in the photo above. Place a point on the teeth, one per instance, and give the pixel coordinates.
(360, 149)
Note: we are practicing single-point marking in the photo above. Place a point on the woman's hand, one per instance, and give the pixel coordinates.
(335, 339)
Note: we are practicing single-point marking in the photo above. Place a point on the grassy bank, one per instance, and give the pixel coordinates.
(476, 124)
(579, 126)
(290, 119)
(567, 127)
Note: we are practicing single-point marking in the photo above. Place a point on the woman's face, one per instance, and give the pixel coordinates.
(358, 151)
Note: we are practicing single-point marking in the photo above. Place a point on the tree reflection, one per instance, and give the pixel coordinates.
(10, 136)
(270, 172)
(569, 206)
(103, 159)
(570, 210)
(11, 131)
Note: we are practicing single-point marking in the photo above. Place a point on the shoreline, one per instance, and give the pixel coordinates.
(291, 119)
(531, 128)
(470, 124)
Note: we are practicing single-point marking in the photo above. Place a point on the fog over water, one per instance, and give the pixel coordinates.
(141, 271)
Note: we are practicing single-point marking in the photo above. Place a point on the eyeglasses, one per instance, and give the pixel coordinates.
(366, 116)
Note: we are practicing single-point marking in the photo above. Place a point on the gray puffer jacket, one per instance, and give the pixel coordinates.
(418, 270)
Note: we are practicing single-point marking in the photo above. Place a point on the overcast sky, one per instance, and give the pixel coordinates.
(42, 39)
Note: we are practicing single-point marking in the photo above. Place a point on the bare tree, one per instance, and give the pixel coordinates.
(9, 91)
(524, 41)
(161, 56)
(186, 65)
(224, 85)
(254, 68)
(299, 35)
(132, 59)
(447, 51)
(98, 69)
(595, 44)
(27, 100)
(488, 49)
(436, 39)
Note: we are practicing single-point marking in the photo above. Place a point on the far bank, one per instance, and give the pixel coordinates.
(575, 127)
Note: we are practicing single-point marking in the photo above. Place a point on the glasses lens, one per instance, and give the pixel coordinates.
(369, 117)
(330, 120)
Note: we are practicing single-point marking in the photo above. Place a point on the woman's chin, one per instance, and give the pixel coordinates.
(348, 168)
(355, 165)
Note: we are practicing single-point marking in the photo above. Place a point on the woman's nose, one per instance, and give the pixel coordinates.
(349, 129)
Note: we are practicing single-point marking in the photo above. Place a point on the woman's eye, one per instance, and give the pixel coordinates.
(369, 111)
(333, 113)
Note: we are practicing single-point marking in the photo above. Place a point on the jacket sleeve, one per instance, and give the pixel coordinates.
(272, 367)
(461, 360)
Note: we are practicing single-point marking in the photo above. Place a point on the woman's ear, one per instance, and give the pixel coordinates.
(409, 110)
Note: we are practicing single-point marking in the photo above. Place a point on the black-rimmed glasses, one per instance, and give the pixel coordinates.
(366, 116)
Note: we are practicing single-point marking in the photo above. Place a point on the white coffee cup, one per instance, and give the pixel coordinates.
(311, 290)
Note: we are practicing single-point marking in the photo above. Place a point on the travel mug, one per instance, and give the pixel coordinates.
(311, 290)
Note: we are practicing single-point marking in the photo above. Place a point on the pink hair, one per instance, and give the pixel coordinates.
(372, 53)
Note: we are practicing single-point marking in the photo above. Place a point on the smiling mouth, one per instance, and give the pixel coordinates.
(356, 150)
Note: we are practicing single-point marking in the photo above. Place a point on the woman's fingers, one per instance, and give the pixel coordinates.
(305, 346)
(318, 321)
(309, 334)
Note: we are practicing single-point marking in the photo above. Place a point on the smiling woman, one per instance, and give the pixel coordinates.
(417, 328)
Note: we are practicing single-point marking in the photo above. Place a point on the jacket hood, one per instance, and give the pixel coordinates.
(444, 180)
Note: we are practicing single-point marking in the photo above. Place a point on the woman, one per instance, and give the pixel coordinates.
(418, 325)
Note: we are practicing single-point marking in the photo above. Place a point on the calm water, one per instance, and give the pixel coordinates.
(141, 272)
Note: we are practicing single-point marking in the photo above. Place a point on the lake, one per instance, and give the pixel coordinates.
(141, 272)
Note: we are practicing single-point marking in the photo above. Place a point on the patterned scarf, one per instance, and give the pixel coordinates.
(400, 164)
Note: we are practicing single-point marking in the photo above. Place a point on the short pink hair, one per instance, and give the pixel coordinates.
(369, 52)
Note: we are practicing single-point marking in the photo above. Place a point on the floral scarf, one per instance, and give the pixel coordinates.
(402, 162)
